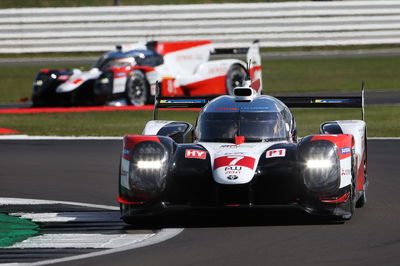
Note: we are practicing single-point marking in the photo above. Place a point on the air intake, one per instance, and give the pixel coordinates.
(244, 94)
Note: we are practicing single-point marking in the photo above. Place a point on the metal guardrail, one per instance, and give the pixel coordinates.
(288, 24)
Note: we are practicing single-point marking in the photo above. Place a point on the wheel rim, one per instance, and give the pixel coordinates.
(235, 78)
(136, 91)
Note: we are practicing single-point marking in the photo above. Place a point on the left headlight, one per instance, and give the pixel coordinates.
(148, 167)
(320, 166)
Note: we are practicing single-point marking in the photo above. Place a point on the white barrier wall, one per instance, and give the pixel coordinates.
(287, 24)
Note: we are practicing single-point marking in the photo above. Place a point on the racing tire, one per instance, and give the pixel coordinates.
(235, 77)
(363, 199)
(137, 89)
(352, 200)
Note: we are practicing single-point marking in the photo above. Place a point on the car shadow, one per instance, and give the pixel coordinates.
(224, 218)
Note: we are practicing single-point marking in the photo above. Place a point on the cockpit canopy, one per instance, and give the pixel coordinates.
(129, 58)
(263, 119)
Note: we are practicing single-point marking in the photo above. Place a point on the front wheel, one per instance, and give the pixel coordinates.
(137, 88)
(235, 77)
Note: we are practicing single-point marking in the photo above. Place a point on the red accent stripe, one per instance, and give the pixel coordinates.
(233, 160)
(360, 177)
(130, 141)
(121, 200)
(341, 141)
(79, 80)
(341, 199)
(212, 86)
(164, 48)
(6, 131)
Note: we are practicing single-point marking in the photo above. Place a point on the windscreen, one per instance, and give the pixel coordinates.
(254, 126)
(115, 62)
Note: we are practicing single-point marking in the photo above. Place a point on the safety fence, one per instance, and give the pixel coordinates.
(287, 24)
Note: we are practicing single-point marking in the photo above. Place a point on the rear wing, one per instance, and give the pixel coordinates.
(234, 50)
(289, 101)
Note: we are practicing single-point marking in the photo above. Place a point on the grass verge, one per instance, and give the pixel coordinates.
(382, 121)
(279, 75)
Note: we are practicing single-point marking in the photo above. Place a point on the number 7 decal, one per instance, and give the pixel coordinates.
(234, 160)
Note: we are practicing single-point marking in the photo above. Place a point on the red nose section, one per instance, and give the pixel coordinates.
(239, 140)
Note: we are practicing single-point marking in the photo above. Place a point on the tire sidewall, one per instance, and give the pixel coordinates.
(137, 76)
(232, 72)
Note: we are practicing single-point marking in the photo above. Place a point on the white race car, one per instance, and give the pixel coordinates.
(128, 75)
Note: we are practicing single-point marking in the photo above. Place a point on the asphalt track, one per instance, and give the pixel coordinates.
(86, 171)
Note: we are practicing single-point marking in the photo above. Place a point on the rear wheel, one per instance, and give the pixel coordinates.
(235, 77)
(352, 199)
(363, 199)
(137, 88)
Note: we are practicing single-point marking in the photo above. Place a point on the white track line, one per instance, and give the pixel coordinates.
(114, 242)
(19, 201)
(161, 236)
(77, 217)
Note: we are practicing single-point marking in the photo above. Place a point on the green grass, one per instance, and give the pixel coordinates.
(381, 121)
(74, 3)
(331, 74)
(279, 76)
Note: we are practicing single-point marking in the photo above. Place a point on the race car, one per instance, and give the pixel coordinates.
(128, 75)
(244, 153)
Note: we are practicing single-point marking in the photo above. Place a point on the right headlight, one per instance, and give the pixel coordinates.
(148, 167)
(320, 166)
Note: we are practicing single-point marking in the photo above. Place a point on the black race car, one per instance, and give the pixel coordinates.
(244, 153)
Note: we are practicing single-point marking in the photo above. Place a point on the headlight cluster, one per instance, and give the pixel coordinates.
(104, 84)
(148, 167)
(320, 166)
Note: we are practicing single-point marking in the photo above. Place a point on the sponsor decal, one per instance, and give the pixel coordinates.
(183, 101)
(226, 109)
(345, 150)
(63, 77)
(234, 153)
(255, 108)
(230, 170)
(124, 172)
(126, 151)
(232, 177)
(276, 153)
(234, 160)
(346, 171)
(120, 74)
(229, 146)
(217, 70)
(195, 154)
(233, 168)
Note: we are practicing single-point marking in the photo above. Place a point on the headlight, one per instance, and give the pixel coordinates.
(104, 84)
(319, 163)
(149, 164)
(320, 166)
(38, 82)
(104, 81)
(148, 167)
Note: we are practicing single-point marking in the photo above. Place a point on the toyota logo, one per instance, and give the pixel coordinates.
(232, 177)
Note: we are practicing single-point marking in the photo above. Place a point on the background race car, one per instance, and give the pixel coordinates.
(129, 74)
